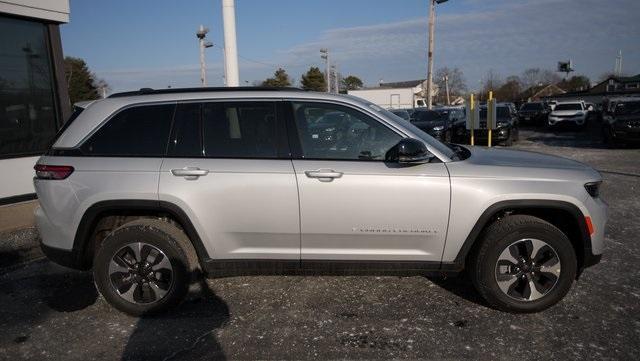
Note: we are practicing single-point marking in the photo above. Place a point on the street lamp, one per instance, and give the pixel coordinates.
(432, 14)
(201, 34)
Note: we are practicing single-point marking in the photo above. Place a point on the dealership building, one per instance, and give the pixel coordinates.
(34, 99)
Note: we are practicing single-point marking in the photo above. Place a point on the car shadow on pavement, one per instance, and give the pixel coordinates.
(75, 291)
(187, 332)
(461, 286)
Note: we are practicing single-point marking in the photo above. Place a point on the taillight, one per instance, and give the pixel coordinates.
(44, 171)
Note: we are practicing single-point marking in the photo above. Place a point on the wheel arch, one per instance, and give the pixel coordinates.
(84, 240)
(564, 215)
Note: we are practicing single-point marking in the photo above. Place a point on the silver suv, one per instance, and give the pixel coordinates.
(154, 187)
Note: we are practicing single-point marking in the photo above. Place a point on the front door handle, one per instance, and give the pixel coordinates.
(323, 175)
(189, 172)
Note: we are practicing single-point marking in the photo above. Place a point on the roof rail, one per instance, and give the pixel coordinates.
(147, 91)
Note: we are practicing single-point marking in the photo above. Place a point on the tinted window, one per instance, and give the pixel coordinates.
(429, 116)
(351, 135)
(240, 130)
(137, 131)
(28, 120)
(628, 108)
(532, 106)
(571, 106)
(186, 137)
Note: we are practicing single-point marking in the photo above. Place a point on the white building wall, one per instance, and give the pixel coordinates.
(52, 10)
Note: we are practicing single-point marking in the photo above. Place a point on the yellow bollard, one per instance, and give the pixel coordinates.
(473, 121)
(489, 107)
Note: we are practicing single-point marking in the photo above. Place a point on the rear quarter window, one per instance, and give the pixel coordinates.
(136, 131)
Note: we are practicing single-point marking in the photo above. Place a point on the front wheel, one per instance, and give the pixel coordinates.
(523, 264)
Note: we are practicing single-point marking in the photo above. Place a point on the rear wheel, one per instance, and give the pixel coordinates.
(144, 267)
(523, 264)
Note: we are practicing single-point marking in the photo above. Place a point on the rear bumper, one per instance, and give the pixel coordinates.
(63, 257)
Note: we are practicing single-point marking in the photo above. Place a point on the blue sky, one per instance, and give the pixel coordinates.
(145, 43)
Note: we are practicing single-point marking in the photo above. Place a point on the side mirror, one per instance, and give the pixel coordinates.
(409, 151)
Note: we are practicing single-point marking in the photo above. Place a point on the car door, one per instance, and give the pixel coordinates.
(353, 205)
(228, 168)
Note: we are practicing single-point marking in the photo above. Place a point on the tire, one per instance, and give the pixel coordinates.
(521, 232)
(145, 290)
(509, 141)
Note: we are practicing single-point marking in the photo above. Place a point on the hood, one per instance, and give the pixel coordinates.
(566, 112)
(516, 164)
(519, 158)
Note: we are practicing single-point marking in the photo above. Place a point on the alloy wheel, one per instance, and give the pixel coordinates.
(141, 273)
(528, 269)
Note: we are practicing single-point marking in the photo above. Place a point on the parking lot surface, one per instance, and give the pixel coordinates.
(50, 312)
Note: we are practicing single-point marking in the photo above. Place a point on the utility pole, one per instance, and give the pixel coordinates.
(324, 54)
(432, 20)
(334, 67)
(232, 75)
(618, 69)
(201, 34)
(446, 86)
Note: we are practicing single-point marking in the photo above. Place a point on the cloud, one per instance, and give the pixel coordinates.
(506, 36)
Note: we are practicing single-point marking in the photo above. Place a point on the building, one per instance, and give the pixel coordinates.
(34, 98)
(614, 86)
(539, 92)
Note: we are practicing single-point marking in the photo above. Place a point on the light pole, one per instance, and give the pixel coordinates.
(201, 34)
(230, 43)
(432, 15)
(324, 54)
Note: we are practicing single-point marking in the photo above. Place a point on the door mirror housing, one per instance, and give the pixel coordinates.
(409, 151)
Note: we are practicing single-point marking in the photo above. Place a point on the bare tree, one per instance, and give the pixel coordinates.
(456, 81)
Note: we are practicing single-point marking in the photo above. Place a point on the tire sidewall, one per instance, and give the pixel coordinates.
(554, 238)
(155, 237)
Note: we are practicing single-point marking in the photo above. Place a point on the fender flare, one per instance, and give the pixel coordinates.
(495, 208)
(81, 242)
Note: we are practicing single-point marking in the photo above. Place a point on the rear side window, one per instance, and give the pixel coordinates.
(137, 131)
(239, 130)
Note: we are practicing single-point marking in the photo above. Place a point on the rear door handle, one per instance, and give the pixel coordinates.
(323, 175)
(189, 172)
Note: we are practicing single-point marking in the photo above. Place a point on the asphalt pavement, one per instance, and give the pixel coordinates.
(50, 312)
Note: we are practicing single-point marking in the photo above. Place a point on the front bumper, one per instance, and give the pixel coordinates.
(499, 134)
(63, 257)
(579, 120)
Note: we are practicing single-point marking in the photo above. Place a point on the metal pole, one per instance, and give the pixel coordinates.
(489, 106)
(328, 74)
(230, 46)
(446, 85)
(473, 120)
(432, 9)
(203, 73)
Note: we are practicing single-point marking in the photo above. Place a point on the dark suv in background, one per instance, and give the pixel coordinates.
(506, 131)
(621, 121)
(534, 113)
(433, 122)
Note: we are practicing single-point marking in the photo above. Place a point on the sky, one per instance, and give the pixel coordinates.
(152, 43)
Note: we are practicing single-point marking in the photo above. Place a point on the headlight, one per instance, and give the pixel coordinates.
(438, 128)
(593, 188)
(502, 124)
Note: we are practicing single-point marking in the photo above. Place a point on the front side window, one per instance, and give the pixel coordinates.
(335, 132)
(138, 131)
(28, 120)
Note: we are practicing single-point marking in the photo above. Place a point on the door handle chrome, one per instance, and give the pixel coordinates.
(323, 175)
(189, 172)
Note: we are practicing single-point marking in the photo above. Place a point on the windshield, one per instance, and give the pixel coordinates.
(429, 116)
(532, 106)
(628, 108)
(502, 112)
(568, 106)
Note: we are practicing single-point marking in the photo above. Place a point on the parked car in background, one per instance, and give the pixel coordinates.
(621, 121)
(435, 123)
(570, 113)
(534, 113)
(402, 113)
(506, 131)
(456, 117)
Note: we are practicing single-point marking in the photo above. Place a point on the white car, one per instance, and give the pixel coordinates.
(569, 112)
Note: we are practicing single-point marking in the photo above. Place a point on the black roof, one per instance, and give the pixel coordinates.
(148, 91)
